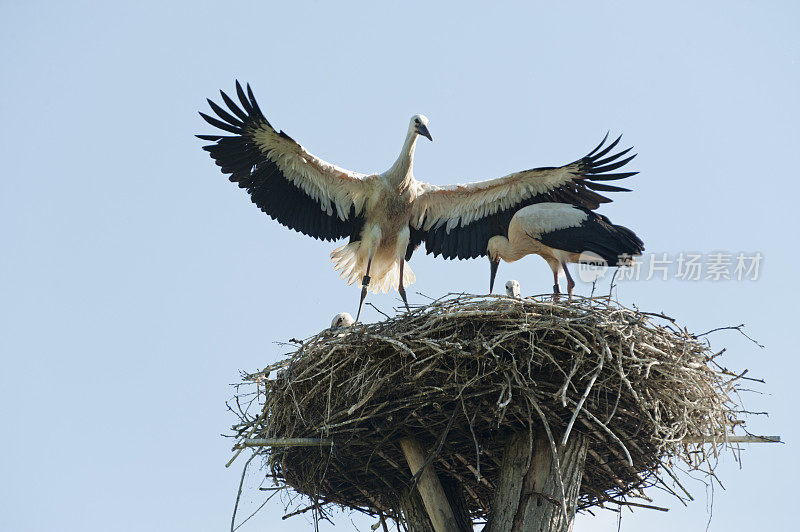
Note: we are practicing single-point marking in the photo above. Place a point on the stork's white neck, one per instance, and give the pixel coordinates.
(402, 171)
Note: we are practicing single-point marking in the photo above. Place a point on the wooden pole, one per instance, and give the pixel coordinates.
(731, 439)
(416, 516)
(456, 496)
(284, 442)
(528, 493)
(430, 489)
(541, 508)
(506, 498)
(414, 513)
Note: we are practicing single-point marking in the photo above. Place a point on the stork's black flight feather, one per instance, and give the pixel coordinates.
(254, 167)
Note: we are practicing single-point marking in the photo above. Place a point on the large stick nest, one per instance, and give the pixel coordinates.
(462, 373)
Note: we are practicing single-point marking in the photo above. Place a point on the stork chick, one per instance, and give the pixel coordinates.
(512, 289)
(342, 321)
(561, 233)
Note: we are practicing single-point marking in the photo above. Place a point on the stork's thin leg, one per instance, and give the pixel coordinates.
(570, 282)
(556, 289)
(364, 285)
(401, 288)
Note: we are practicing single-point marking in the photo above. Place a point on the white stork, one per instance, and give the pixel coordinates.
(342, 321)
(387, 216)
(513, 289)
(562, 233)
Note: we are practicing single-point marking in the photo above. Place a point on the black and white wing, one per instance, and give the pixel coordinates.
(457, 221)
(291, 185)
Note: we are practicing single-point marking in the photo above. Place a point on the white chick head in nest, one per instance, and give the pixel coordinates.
(512, 289)
(341, 321)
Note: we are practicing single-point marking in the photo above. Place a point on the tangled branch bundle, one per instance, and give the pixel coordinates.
(463, 373)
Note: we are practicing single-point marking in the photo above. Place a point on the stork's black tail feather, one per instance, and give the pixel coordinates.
(615, 243)
(630, 246)
(596, 236)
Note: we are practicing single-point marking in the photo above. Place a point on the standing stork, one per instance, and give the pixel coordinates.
(562, 233)
(387, 216)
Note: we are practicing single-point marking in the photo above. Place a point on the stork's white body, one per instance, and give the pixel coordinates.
(386, 234)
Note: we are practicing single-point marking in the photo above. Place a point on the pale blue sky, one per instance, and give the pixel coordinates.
(136, 281)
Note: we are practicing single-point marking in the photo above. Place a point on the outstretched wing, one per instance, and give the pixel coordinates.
(458, 221)
(293, 186)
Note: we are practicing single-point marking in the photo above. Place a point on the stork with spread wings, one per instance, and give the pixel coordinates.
(387, 215)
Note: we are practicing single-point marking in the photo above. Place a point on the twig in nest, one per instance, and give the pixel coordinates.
(739, 328)
(378, 310)
(239, 492)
